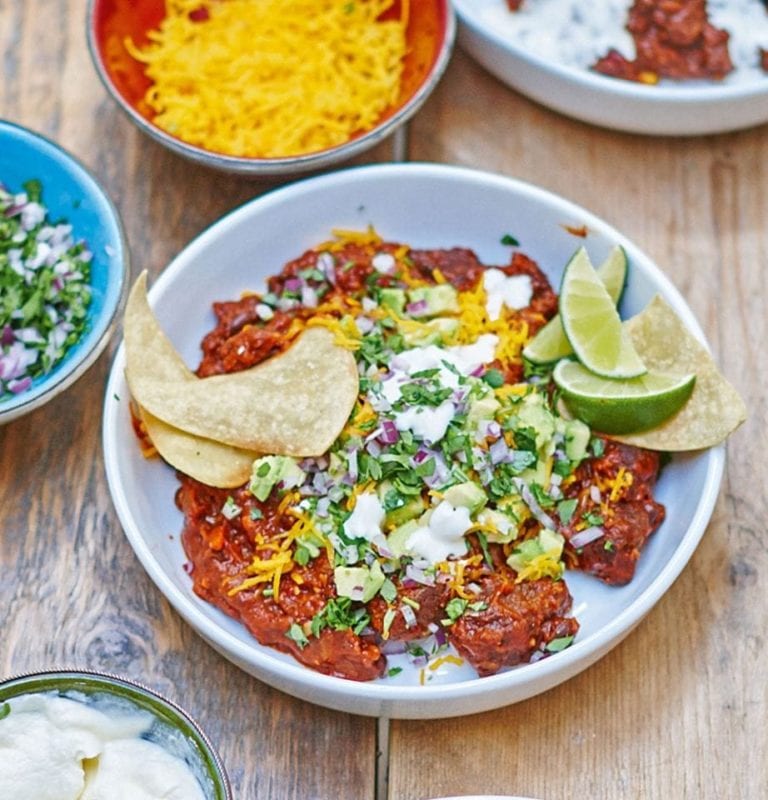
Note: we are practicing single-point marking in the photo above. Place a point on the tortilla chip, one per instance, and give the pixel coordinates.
(147, 348)
(293, 404)
(714, 410)
(209, 462)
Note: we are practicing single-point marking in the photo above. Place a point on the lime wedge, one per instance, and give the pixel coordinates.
(550, 343)
(621, 406)
(592, 323)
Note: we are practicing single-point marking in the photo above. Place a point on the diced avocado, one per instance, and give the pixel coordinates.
(412, 506)
(547, 543)
(438, 299)
(359, 583)
(376, 578)
(483, 408)
(577, 436)
(397, 540)
(533, 413)
(505, 528)
(435, 331)
(268, 471)
(514, 506)
(393, 299)
(538, 473)
(551, 542)
(469, 495)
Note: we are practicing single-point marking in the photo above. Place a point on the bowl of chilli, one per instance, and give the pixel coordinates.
(420, 648)
(270, 88)
(133, 739)
(583, 61)
(63, 270)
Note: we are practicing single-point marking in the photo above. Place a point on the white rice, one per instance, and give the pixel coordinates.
(576, 33)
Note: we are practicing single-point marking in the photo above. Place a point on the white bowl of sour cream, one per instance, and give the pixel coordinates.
(85, 735)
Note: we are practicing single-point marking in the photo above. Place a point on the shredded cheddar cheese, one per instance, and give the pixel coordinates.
(273, 78)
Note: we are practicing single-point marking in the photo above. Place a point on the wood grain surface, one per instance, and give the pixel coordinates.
(678, 710)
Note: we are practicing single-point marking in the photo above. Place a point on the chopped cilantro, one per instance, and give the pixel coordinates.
(542, 496)
(593, 518)
(565, 509)
(339, 614)
(392, 671)
(494, 378)
(508, 239)
(597, 446)
(5, 710)
(455, 608)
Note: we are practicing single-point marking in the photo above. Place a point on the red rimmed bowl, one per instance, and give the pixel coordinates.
(429, 39)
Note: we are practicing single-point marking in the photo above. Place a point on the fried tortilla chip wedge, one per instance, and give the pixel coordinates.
(294, 404)
(714, 409)
(148, 350)
(209, 462)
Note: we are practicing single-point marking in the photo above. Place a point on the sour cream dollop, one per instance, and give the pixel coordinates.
(54, 748)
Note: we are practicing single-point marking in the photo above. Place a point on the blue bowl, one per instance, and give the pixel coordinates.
(72, 193)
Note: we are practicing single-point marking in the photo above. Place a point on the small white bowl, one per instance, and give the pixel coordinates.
(426, 206)
(689, 109)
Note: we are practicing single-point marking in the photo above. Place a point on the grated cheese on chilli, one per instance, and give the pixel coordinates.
(273, 78)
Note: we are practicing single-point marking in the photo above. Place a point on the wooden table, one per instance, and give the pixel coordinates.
(678, 710)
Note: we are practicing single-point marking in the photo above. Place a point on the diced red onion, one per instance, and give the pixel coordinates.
(531, 502)
(373, 448)
(309, 297)
(417, 307)
(498, 451)
(493, 429)
(292, 284)
(7, 336)
(420, 456)
(418, 575)
(382, 545)
(583, 538)
(364, 324)
(389, 432)
(321, 509)
(392, 647)
(19, 385)
(352, 465)
(409, 615)
(595, 494)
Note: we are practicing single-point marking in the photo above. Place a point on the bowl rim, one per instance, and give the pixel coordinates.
(380, 692)
(667, 95)
(101, 678)
(283, 165)
(63, 377)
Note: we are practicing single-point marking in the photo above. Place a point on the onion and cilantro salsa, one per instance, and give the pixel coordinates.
(441, 521)
(44, 289)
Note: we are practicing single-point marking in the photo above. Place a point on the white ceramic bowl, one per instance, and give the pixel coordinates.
(426, 206)
(687, 109)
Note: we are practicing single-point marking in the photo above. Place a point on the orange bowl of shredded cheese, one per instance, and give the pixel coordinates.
(270, 87)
